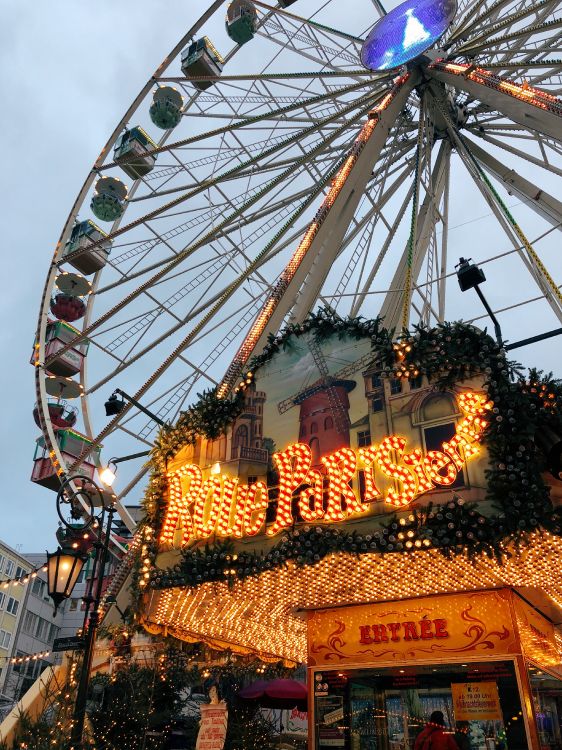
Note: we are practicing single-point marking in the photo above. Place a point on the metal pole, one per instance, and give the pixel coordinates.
(82, 694)
(497, 328)
(140, 406)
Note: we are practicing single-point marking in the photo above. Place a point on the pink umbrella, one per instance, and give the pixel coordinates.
(277, 694)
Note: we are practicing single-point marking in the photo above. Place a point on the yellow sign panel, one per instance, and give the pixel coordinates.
(476, 701)
(427, 629)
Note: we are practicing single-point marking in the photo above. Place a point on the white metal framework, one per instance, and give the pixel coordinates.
(298, 179)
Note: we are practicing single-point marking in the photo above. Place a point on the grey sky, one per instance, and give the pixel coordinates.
(70, 69)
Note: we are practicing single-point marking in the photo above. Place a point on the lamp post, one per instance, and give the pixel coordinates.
(109, 472)
(470, 277)
(64, 567)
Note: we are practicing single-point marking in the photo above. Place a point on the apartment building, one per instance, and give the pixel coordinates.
(28, 624)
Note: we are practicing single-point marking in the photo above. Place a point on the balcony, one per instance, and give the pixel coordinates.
(250, 454)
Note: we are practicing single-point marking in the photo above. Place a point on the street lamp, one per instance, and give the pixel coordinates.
(115, 405)
(82, 496)
(63, 569)
(109, 472)
(470, 277)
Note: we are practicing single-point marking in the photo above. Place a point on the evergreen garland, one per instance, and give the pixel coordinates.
(447, 354)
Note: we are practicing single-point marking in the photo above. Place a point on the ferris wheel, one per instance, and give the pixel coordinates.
(290, 157)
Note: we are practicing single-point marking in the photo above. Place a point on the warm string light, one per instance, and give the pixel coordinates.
(197, 508)
(258, 614)
(22, 580)
(524, 92)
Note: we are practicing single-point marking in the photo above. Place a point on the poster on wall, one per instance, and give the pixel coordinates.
(476, 701)
(329, 717)
(212, 730)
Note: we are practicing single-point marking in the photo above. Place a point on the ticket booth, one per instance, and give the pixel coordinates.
(487, 660)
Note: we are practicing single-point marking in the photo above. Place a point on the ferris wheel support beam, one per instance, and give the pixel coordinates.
(326, 232)
(534, 109)
(395, 301)
(541, 202)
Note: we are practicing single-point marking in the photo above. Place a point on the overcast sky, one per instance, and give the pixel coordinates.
(69, 70)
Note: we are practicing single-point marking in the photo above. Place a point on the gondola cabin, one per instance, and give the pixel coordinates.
(241, 21)
(201, 59)
(286, 3)
(71, 445)
(61, 415)
(82, 236)
(166, 107)
(58, 334)
(130, 152)
(108, 201)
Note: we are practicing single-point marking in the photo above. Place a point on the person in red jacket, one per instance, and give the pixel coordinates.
(433, 737)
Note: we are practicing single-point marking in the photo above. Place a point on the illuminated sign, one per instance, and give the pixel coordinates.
(198, 508)
(406, 32)
(424, 630)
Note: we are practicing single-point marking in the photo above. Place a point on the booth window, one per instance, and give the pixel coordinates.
(386, 708)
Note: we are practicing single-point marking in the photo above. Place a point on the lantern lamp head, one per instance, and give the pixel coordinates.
(468, 274)
(63, 569)
(108, 473)
(114, 405)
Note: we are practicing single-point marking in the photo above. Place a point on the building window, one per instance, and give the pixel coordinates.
(20, 572)
(5, 639)
(73, 605)
(415, 383)
(315, 450)
(434, 438)
(39, 589)
(2, 561)
(29, 623)
(376, 381)
(395, 386)
(2, 600)
(241, 437)
(377, 405)
(313, 428)
(53, 633)
(13, 606)
(303, 431)
(364, 438)
(328, 423)
(252, 479)
(10, 567)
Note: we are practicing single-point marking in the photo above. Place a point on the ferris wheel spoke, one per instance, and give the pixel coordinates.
(539, 10)
(539, 200)
(288, 174)
(510, 148)
(474, 18)
(520, 243)
(384, 194)
(365, 151)
(249, 121)
(253, 160)
(473, 48)
(411, 262)
(279, 208)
